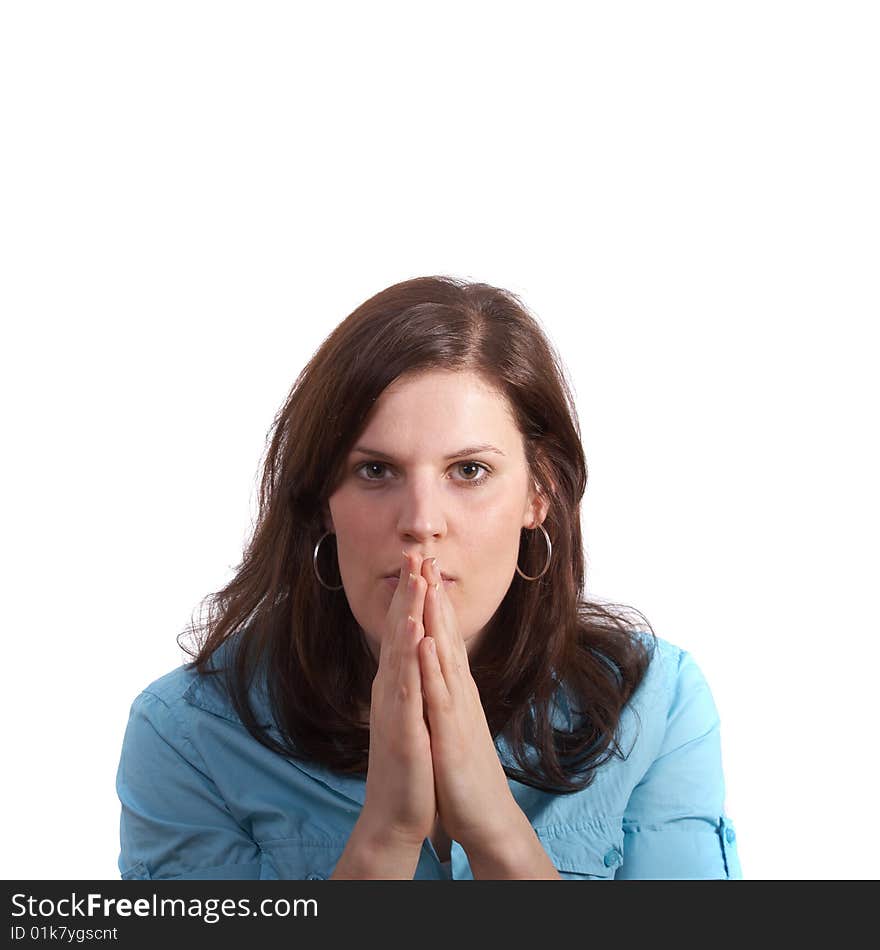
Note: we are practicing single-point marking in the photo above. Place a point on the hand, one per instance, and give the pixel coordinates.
(474, 801)
(400, 800)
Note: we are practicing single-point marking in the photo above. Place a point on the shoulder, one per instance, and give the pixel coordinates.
(179, 720)
(169, 695)
(672, 679)
(170, 688)
(673, 705)
(157, 719)
(174, 701)
(673, 674)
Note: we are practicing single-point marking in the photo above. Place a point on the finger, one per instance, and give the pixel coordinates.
(409, 680)
(438, 627)
(456, 639)
(408, 676)
(433, 682)
(415, 592)
(395, 619)
(389, 649)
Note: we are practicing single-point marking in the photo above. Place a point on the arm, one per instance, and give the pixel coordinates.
(174, 822)
(674, 823)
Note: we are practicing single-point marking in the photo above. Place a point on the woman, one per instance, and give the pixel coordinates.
(403, 679)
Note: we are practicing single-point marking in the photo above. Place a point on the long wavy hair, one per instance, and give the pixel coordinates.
(276, 619)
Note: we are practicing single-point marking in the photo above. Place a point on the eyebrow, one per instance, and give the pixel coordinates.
(468, 450)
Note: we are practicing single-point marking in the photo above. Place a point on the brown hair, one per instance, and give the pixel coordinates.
(304, 638)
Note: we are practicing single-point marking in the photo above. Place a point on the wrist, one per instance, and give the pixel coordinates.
(509, 827)
(513, 854)
(376, 852)
(379, 833)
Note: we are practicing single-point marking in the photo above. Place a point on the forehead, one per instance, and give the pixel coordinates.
(442, 407)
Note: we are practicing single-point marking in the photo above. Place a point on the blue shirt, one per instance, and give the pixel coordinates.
(201, 798)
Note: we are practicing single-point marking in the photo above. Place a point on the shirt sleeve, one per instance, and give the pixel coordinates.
(674, 823)
(174, 823)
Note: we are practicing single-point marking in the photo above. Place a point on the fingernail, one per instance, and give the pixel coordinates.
(412, 581)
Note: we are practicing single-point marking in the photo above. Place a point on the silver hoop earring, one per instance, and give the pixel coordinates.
(549, 555)
(315, 564)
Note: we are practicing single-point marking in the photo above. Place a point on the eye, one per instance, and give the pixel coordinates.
(371, 465)
(479, 465)
(369, 470)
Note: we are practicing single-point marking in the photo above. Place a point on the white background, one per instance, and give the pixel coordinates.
(685, 195)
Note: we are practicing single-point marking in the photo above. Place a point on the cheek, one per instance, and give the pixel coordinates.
(494, 539)
(369, 607)
(492, 571)
(356, 530)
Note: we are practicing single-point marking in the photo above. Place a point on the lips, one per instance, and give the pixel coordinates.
(393, 579)
(396, 574)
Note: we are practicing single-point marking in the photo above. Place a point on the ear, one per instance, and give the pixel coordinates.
(327, 518)
(537, 507)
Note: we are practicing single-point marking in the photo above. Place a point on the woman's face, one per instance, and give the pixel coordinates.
(440, 469)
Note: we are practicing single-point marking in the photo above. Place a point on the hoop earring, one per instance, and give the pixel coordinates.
(315, 564)
(549, 555)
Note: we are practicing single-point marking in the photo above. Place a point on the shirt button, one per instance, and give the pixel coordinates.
(612, 858)
(730, 834)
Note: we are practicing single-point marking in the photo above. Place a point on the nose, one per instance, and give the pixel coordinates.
(422, 515)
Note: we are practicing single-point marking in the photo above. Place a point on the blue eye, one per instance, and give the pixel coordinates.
(469, 482)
